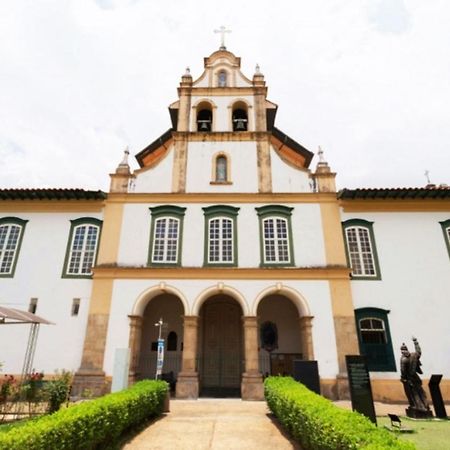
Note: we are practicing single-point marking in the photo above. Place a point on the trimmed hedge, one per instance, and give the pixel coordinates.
(89, 425)
(317, 424)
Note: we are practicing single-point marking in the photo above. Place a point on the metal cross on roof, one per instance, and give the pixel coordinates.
(222, 30)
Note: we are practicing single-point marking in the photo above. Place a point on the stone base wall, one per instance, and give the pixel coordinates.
(252, 387)
(187, 386)
(90, 384)
(386, 391)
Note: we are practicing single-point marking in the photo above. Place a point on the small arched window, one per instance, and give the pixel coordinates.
(172, 340)
(222, 79)
(221, 169)
(240, 119)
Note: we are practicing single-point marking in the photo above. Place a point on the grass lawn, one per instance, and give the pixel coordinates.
(428, 434)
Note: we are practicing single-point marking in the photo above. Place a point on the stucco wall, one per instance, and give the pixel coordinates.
(414, 285)
(306, 230)
(157, 178)
(38, 274)
(243, 166)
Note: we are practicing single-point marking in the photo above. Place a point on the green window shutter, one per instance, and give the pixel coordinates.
(446, 230)
(374, 339)
(220, 236)
(11, 234)
(275, 231)
(82, 247)
(166, 235)
(361, 249)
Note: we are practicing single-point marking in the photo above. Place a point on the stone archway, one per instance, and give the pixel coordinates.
(284, 334)
(221, 350)
(149, 308)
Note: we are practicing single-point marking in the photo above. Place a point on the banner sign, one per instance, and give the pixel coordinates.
(160, 360)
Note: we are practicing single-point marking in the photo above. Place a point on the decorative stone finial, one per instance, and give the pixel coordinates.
(188, 72)
(124, 161)
(257, 70)
(122, 177)
(124, 167)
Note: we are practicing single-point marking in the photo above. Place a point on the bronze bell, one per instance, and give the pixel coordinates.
(240, 124)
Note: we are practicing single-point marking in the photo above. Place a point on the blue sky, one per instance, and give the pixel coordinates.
(368, 80)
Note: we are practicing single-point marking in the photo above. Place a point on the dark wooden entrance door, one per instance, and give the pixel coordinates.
(221, 365)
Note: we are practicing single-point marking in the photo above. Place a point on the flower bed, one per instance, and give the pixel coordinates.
(317, 424)
(89, 425)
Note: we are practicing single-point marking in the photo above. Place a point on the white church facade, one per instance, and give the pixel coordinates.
(250, 257)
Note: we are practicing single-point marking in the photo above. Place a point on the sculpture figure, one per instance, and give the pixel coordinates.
(410, 368)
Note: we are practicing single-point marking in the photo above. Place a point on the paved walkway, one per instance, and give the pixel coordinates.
(213, 424)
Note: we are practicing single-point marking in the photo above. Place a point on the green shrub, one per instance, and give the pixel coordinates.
(317, 424)
(57, 390)
(91, 424)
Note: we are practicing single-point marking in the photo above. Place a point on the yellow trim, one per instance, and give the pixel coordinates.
(419, 205)
(224, 92)
(218, 197)
(101, 296)
(332, 234)
(341, 297)
(232, 273)
(47, 206)
(220, 136)
(111, 230)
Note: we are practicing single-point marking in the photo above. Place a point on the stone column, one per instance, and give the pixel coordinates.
(306, 341)
(252, 386)
(187, 382)
(134, 343)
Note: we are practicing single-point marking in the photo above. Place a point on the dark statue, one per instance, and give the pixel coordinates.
(410, 368)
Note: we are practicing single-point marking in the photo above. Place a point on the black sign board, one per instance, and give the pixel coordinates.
(307, 373)
(360, 388)
(436, 396)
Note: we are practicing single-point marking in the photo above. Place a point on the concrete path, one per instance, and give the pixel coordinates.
(213, 424)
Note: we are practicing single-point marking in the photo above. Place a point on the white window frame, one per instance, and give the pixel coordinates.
(279, 242)
(81, 258)
(362, 260)
(11, 234)
(221, 241)
(165, 241)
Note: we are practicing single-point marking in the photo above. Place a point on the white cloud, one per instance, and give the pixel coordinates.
(81, 79)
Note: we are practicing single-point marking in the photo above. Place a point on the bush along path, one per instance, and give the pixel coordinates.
(89, 425)
(317, 424)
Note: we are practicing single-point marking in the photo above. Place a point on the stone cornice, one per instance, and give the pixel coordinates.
(222, 273)
(174, 198)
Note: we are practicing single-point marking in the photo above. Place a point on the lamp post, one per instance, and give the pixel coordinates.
(160, 352)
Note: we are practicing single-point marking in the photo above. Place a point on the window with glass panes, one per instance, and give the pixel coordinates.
(446, 230)
(83, 249)
(220, 235)
(220, 240)
(11, 231)
(276, 235)
(166, 235)
(375, 339)
(361, 251)
(165, 242)
(276, 240)
(372, 331)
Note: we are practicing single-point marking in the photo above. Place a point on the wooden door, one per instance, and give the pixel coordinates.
(222, 345)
